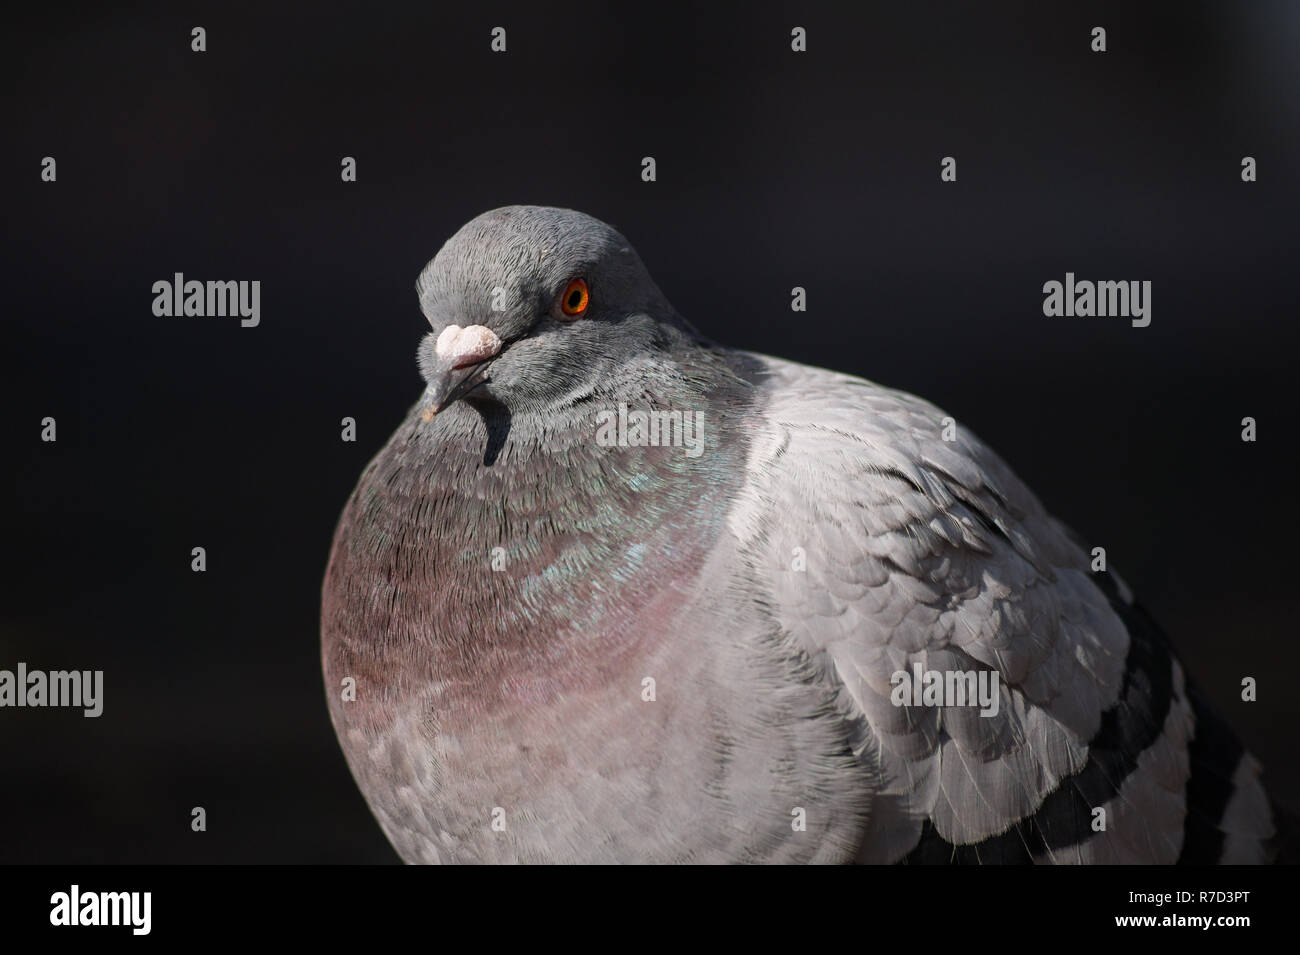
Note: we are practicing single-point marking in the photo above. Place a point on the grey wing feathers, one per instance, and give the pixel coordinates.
(884, 536)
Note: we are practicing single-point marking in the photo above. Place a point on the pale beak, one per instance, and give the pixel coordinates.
(458, 349)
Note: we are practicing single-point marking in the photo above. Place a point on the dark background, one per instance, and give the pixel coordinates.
(775, 169)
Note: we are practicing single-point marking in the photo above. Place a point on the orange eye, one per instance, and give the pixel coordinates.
(575, 299)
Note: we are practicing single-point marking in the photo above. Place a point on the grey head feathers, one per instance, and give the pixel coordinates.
(506, 270)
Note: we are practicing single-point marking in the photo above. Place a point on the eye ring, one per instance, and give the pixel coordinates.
(574, 300)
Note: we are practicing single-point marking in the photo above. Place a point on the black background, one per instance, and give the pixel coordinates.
(775, 169)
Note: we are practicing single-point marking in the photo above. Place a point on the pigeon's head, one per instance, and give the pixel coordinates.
(534, 308)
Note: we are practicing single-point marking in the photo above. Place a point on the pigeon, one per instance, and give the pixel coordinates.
(615, 593)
